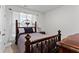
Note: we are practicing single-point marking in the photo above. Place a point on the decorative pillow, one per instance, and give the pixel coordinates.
(28, 30)
(21, 30)
(33, 29)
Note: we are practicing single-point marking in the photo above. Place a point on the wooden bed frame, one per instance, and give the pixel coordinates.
(29, 45)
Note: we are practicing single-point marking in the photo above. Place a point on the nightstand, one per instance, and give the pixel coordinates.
(42, 32)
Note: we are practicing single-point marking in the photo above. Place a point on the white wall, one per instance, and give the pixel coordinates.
(65, 18)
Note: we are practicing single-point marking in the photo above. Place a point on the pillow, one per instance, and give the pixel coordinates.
(28, 30)
(21, 30)
(33, 29)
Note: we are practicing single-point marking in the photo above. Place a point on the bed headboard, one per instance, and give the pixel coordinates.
(17, 29)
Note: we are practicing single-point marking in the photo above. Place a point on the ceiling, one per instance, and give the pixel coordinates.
(40, 8)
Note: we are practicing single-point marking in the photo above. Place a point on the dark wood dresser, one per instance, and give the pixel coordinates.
(69, 44)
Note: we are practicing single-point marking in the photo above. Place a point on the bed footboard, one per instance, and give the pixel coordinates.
(44, 45)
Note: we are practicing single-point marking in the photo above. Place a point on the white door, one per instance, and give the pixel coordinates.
(2, 27)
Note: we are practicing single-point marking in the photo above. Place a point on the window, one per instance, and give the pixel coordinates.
(27, 18)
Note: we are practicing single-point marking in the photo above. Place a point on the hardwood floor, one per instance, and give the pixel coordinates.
(11, 49)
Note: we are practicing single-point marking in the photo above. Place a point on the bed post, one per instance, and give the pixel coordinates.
(17, 32)
(27, 43)
(35, 26)
(59, 35)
